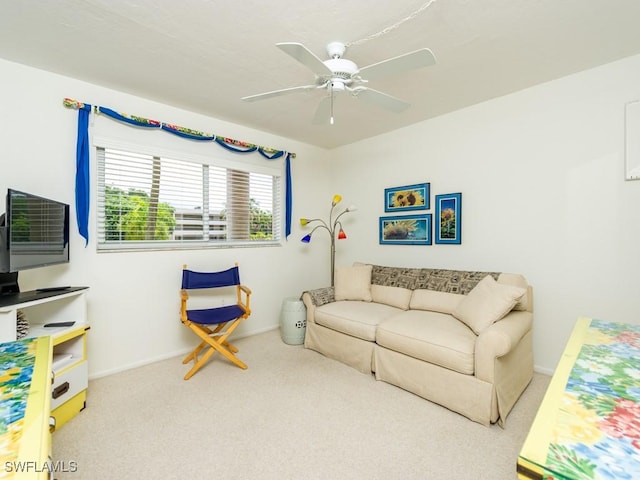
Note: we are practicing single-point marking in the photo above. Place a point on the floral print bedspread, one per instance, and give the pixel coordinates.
(17, 360)
(597, 431)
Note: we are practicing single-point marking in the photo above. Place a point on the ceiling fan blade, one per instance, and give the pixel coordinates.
(323, 112)
(409, 61)
(381, 99)
(306, 57)
(277, 93)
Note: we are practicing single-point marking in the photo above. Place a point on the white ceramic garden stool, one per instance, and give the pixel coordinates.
(293, 321)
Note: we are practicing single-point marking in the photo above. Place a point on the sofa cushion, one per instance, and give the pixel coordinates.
(395, 296)
(487, 303)
(433, 337)
(353, 283)
(355, 318)
(443, 302)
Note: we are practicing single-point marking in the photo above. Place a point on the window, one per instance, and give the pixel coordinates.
(148, 201)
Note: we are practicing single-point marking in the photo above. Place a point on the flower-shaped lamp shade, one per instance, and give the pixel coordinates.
(332, 226)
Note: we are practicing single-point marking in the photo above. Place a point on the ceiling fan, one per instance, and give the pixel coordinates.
(338, 75)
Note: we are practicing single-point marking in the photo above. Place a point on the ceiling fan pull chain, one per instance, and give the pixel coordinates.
(331, 95)
(386, 30)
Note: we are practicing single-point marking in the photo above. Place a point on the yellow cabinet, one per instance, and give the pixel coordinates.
(70, 374)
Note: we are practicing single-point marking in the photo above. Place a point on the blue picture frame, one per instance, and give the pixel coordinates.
(448, 229)
(406, 230)
(407, 197)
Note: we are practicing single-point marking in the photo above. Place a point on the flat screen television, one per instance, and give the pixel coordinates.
(35, 232)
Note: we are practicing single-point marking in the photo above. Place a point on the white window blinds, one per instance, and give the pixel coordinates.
(148, 201)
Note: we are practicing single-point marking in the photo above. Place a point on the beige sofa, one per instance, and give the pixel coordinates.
(460, 339)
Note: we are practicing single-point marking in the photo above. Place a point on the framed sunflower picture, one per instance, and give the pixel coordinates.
(406, 230)
(448, 216)
(408, 197)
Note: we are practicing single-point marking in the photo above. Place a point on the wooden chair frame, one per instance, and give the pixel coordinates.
(214, 339)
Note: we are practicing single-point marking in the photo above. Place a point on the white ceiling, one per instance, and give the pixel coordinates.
(204, 55)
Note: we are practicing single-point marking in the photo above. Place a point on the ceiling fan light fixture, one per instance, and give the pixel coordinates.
(337, 86)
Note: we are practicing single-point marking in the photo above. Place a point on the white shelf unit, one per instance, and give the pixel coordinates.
(69, 361)
(41, 308)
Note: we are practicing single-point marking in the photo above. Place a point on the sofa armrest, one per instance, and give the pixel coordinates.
(320, 296)
(498, 340)
(316, 298)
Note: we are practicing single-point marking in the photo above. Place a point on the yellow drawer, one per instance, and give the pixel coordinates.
(69, 409)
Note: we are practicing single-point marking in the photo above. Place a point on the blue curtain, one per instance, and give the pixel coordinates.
(83, 187)
(82, 156)
(288, 196)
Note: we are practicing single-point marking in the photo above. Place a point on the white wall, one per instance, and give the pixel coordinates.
(133, 298)
(541, 173)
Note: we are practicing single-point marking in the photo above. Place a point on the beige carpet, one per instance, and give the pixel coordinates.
(293, 414)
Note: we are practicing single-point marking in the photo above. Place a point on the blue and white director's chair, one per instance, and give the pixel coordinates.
(213, 325)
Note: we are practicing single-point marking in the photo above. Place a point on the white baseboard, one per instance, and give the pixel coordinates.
(543, 370)
(142, 363)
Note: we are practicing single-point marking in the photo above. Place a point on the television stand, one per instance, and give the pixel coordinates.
(15, 298)
(53, 289)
